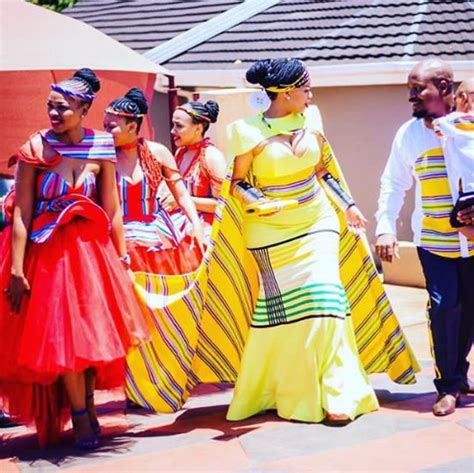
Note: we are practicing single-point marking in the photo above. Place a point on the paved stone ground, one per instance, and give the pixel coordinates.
(402, 436)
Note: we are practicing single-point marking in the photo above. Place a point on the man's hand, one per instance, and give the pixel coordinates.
(466, 216)
(386, 247)
(468, 232)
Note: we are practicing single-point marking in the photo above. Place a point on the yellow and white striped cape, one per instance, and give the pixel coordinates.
(199, 321)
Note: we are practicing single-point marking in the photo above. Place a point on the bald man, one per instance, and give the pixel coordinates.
(446, 256)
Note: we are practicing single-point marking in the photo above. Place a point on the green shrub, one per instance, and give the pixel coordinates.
(56, 5)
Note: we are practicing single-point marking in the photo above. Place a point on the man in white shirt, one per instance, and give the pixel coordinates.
(446, 256)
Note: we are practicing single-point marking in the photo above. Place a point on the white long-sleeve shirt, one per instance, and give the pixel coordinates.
(411, 142)
(456, 132)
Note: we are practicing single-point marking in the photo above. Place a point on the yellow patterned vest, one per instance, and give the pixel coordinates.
(437, 235)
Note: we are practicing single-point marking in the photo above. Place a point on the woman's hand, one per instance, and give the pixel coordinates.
(278, 207)
(169, 203)
(18, 286)
(355, 219)
(197, 235)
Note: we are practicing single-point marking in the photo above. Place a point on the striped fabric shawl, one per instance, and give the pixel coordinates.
(202, 319)
(96, 145)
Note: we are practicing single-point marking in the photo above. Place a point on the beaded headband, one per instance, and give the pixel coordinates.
(300, 81)
(194, 114)
(124, 114)
(71, 93)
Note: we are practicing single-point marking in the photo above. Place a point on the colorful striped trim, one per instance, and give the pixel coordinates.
(51, 201)
(95, 145)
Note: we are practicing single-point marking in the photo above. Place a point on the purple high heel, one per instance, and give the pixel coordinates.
(94, 424)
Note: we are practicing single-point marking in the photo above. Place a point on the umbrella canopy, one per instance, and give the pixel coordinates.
(46, 47)
(40, 39)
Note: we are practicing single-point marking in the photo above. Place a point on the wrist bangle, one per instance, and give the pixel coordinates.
(126, 260)
(335, 190)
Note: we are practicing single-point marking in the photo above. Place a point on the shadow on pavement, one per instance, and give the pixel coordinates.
(209, 417)
(415, 402)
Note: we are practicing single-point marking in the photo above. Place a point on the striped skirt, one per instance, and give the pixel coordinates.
(301, 356)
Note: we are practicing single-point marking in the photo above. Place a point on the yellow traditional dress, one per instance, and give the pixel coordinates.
(301, 356)
(279, 275)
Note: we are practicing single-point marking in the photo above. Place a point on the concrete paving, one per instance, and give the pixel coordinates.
(403, 436)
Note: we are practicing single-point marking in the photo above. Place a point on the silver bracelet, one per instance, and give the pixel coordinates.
(337, 192)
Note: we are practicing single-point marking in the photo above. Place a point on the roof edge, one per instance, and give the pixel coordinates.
(340, 75)
(207, 30)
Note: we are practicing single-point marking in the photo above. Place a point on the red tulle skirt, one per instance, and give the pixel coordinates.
(181, 260)
(81, 312)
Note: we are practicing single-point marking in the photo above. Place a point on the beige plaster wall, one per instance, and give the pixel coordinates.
(360, 123)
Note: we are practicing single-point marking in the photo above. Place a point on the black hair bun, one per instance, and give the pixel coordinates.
(212, 108)
(88, 75)
(138, 97)
(258, 72)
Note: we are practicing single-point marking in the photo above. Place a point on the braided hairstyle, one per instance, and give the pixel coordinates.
(208, 110)
(134, 103)
(82, 85)
(274, 73)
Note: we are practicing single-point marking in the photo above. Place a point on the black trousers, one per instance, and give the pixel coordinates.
(450, 284)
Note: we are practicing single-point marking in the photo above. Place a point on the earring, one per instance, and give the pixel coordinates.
(287, 97)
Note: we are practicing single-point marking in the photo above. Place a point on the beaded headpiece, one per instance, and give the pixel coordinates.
(69, 88)
(300, 81)
(193, 113)
(124, 114)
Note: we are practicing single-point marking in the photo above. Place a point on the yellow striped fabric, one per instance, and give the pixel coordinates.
(380, 339)
(437, 234)
(201, 320)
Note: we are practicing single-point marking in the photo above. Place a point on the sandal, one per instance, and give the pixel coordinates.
(83, 442)
(337, 420)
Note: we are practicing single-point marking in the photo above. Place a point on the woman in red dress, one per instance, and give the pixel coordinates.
(200, 163)
(154, 244)
(68, 312)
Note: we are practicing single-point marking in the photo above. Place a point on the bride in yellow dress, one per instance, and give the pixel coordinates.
(301, 356)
